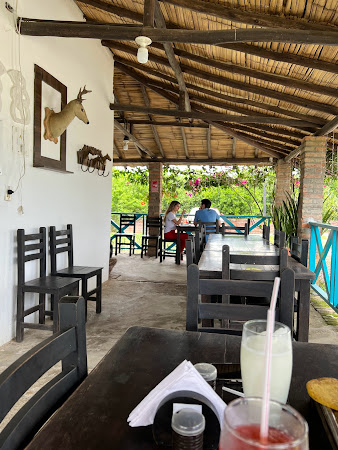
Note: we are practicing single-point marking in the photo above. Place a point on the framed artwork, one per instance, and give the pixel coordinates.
(51, 93)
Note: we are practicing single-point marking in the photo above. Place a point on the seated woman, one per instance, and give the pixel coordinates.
(170, 222)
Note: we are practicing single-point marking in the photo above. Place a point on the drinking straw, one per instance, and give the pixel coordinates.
(270, 325)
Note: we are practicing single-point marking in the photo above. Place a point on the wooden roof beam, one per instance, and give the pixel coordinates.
(209, 142)
(168, 124)
(211, 116)
(328, 127)
(149, 13)
(222, 161)
(224, 81)
(117, 151)
(153, 128)
(237, 15)
(61, 28)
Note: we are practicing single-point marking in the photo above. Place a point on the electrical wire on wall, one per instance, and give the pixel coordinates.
(22, 169)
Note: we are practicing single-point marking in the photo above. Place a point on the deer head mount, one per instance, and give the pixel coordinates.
(56, 123)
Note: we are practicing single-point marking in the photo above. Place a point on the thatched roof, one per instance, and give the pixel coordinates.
(260, 77)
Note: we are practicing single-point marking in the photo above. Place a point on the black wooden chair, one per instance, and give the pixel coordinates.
(61, 241)
(69, 346)
(153, 236)
(234, 229)
(191, 251)
(279, 238)
(33, 247)
(299, 251)
(200, 234)
(126, 239)
(238, 313)
(266, 232)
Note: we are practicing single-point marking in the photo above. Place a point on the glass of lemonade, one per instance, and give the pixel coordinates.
(241, 427)
(253, 360)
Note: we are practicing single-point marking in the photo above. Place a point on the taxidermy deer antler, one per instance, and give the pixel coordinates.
(56, 123)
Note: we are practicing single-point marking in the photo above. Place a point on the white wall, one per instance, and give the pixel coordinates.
(49, 197)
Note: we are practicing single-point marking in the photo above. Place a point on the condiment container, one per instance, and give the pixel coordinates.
(187, 429)
(208, 372)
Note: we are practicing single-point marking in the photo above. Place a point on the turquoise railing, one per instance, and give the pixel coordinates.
(227, 218)
(323, 261)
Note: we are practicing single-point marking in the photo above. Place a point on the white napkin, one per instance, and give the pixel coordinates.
(184, 378)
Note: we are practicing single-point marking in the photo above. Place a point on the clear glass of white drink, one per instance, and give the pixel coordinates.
(253, 360)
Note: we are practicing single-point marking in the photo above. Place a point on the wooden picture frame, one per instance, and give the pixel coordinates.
(40, 76)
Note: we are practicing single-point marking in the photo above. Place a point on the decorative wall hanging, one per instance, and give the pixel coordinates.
(48, 89)
(56, 123)
(20, 101)
(93, 159)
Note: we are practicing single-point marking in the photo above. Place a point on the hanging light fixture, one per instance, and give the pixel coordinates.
(142, 52)
(125, 142)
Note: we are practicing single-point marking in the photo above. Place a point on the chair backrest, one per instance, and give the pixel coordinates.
(253, 267)
(60, 241)
(200, 234)
(299, 251)
(210, 227)
(126, 221)
(31, 247)
(68, 346)
(234, 229)
(279, 238)
(190, 248)
(154, 226)
(234, 312)
(266, 232)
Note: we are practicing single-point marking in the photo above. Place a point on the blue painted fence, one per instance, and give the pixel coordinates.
(323, 261)
(259, 221)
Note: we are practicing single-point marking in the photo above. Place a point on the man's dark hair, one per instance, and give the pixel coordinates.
(206, 202)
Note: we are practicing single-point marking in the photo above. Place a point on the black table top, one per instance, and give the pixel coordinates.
(95, 416)
(210, 264)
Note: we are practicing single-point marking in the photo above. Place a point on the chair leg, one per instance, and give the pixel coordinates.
(42, 300)
(55, 307)
(19, 315)
(116, 245)
(99, 293)
(84, 288)
(142, 246)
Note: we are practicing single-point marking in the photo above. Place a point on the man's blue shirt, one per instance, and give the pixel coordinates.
(206, 215)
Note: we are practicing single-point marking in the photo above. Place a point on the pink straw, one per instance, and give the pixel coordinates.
(270, 325)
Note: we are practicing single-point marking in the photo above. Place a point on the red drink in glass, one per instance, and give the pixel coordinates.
(241, 429)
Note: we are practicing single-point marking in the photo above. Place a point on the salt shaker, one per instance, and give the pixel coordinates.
(208, 372)
(188, 427)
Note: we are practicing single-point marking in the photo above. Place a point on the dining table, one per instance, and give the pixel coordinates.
(210, 266)
(95, 415)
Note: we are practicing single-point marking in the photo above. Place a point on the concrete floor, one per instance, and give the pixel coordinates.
(140, 292)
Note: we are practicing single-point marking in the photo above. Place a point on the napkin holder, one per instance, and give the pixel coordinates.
(162, 431)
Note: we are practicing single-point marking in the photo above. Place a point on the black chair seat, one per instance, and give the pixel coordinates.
(78, 271)
(50, 284)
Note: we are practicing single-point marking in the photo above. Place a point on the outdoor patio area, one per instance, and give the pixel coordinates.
(148, 293)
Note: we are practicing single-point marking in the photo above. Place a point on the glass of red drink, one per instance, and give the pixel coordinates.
(241, 427)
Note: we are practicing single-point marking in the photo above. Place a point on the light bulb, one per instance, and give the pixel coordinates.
(125, 146)
(142, 55)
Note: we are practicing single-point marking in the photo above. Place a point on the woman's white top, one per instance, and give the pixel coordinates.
(169, 224)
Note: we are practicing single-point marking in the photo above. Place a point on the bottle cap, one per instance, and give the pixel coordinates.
(188, 422)
(208, 371)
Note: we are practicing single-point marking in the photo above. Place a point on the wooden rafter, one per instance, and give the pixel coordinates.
(60, 28)
(211, 116)
(328, 127)
(286, 81)
(133, 139)
(153, 128)
(209, 142)
(261, 129)
(117, 151)
(168, 124)
(247, 17)
(221, 80)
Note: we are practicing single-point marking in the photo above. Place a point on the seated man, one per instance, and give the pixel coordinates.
(205, 214)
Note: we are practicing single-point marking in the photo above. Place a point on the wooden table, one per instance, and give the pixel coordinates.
(210, 266)
(187, 228)
(95, 416)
